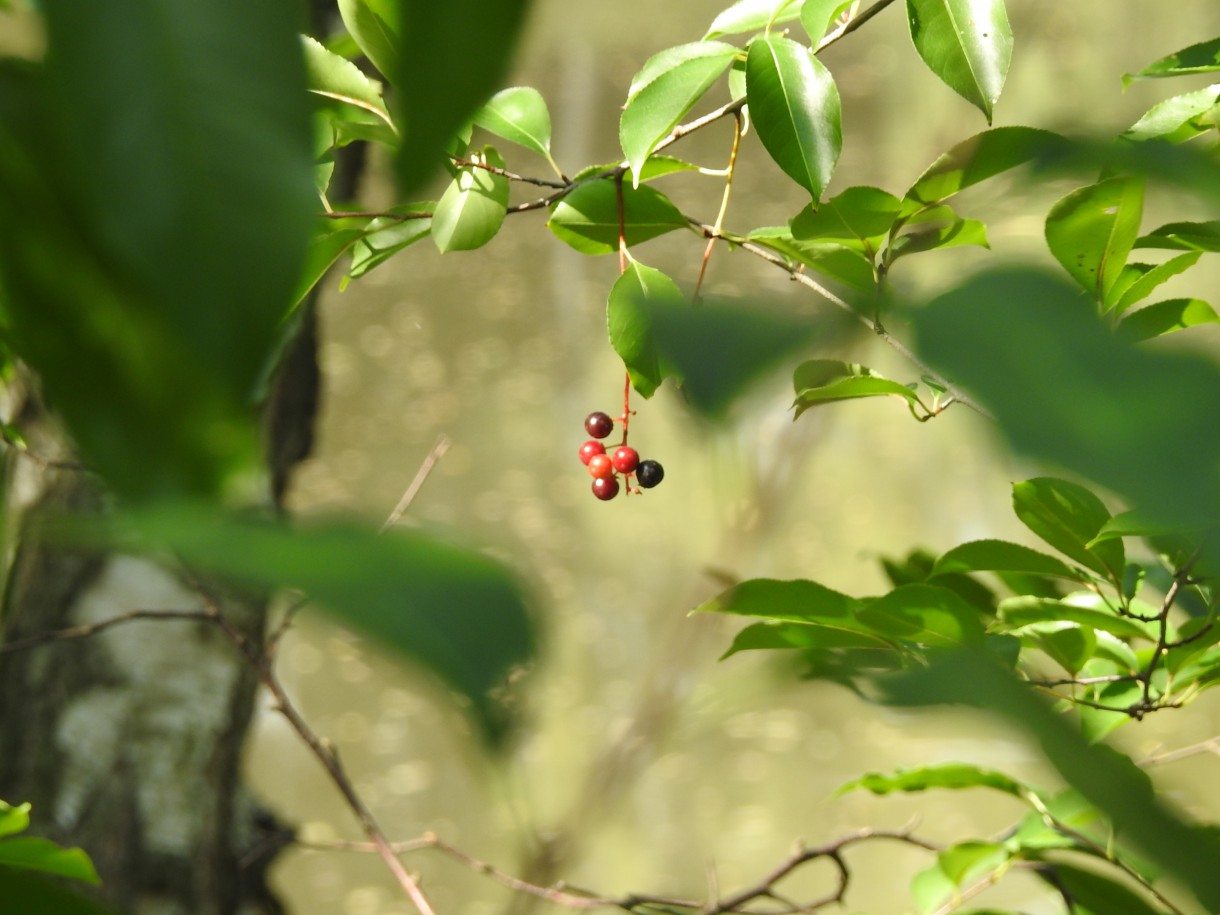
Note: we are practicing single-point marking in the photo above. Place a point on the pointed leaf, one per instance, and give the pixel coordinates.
(1068, 517)
(332, 237)
(1203, 57)
(934, 228)
(795, 107)
(968, 862)
(999, 556)
(1178, 118)
(588, 219)
(983, 156)
(924, 614)
(35, 854)
(631, 325)
(825, 380)
(967, 43)
(857, 214)
(1183, 236)
(843, 263)
(385, 237)
(352, 102)
(954, 776)
(749, 15)
(472, 209)
(817, 15)
(375, 27)
(1137, 281)
(520, 116)
(1023, 610)
(1092, 230)
(800, 601)
(14, 819)
(782, 634)
(1166, 317)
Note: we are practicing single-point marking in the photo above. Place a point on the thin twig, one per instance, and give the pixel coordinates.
(89, 629)
(511, 176)
(425, 468)
(1211, 745)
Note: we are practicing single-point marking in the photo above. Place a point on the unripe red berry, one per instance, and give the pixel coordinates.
(649, 474)
(625, 459)
(589, 449)
(601, 466)
(599, 425)
(605, 488)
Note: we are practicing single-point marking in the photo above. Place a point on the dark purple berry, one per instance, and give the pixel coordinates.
(605, 488)
(599, 425)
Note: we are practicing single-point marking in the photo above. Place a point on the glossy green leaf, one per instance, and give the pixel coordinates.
(1166, 317)
(472, 209)
(1098, 893)
(1183, 236)
(1203, 57)
(1068, 644)
(953, 776)
(925, 614)
(858, 214)
(937, 227)
(661, 94)
(983, 156)
(630, 322)
(385, 237)
(332, 239)
(375, 25)
(799, 600)
(447, 608)
(817, 16)
(1178, 118)
(1091, 232)
(1019, 339)
(1137, 281)
(655, 167)
(834, 260)
(45, 856)
(999, 556)
(14, 819)
(966, 43)
(795, 107)
(781, 634)
(1024, 610)
(350, 100)
(588, 217)
(520, 116)
(1068, 517)
(451, 59)
(749, 15)
(819, 381)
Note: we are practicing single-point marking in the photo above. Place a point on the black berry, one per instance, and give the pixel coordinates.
(649, 473)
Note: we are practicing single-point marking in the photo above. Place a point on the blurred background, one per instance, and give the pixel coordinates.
(645, 764)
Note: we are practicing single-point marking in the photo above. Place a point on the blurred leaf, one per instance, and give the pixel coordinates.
(1092, 230)
(999, 556)
(819, 381)
(520, 116)
(1137, 281)
(386, 236)
(1203, 57)
(1105, 777)
(14, 819)
(970, 861)
(931, 889)
(375, 25)
(1095, 893)
(1178, 118)
(749, 15)
(28, 892)
(1183, 236)
(1068, 644)
(799, 600)
(351, 101)
(667, 87)
(1068, 517)
(449, 609)
(332, 238)
(472, 209)
(780, 634)
(1165, 317)
(954, 776)
(817, 16)
(924, 614)
(451, 59)
(45, 856)
(587, 218)
(1021, 341)
(983, 156)
(967, 43)
(832, 259)
(795, 107)
(937, 227)
(858, 214)
(630, 323)
(1025, 610)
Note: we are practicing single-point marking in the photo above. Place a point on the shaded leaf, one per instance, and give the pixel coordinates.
(587, 219)
(835, 260)
(1024, 610)
(798, 600)
(780, 634)
(27, 891)
(45, 856)
(936, 227)
(1203, 57)
(1100, 894)
(821, 381)
(1137, 281)
(375, 26)
(1068, 517)
(1183, 236)
(858, 214)
(983, 156)
(630, 323)
(1092, 230)
(967, 43)
(332, 238)
(999, 556)
(924, 614)
(795, 107)
(385, 237)
(1166, 317)
(1068, 644)
(472, 209)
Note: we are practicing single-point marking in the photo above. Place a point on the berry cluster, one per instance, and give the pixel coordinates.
(605, 468)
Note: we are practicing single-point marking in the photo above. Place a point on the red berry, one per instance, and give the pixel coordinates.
(601, 466)
(605, 488)
(589, 449)
(599, 425)
(649, 474)
(625, 459)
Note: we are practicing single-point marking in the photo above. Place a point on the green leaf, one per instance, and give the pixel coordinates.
(1068, 517)
(954, 776)
(27, 891)
(1019, 340)
(472, 209)
(1023, 610)
(931, 889)
(924, 614)
(520, 116)
(332, 238)
(1203, 57)
(821, 381)
(587, 219)
(14, 819)
(937, 227)
(1092, 230)
(1166, 317)
(351, 102)
(749, 15)
(45, 856)
(451, 59)
(968, 862)
(780, 634)
(1068, 644)
(385, 237)
(835, 260)
(449, 609)
(1137, 281)
(1177, 119)
(983, 156)
(967, 43)
(859, 214)
(630, 323)
(1098, 893)
(999, 556)
(800, 601)
(795, 107)
(817, 16)
(376, 27)
(661, 94)
(1183, 236)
